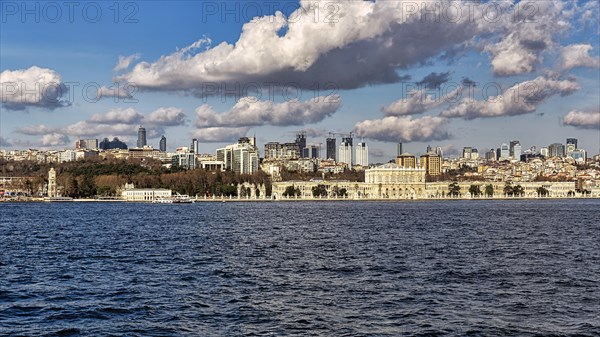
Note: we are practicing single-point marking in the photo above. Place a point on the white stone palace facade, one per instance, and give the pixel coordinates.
(390, 181)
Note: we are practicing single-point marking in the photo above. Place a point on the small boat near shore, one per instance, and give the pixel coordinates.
(176, 199)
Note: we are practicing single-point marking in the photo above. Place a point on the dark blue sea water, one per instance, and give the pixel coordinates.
(480, 268)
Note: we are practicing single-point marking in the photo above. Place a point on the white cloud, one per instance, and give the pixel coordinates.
(219, 134)
(362, 43)
(55, 139)
(578, 55)
(118, 116)
(528, 33)
(36, 130)
(116, 122)
(419, 101)
(91, 129)
(247, 112)
(583, 120)
(32, 87)
(165, 117)
(125, 61)
(404, 129)
(367, 44)
(522, 98)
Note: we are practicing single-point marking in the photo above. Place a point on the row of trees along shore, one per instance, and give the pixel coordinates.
(104, 177)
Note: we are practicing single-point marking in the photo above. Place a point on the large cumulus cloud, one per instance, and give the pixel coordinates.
(32, 87)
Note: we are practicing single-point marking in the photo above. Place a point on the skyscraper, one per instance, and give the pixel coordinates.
(556, 150)
(406, 160)
(467, 150)
(331, 147)
(572, 141)
(349, 155)
(517, 151)
(399, 150)
(141, 141)
(301, 141)
(362, 154)
(194, 147)
(241, 158)
(511, 151)
(345, 151)
(504, 152)
(311, 151)
(162, 145)
(432, 163)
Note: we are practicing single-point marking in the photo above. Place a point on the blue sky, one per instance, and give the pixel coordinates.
(371, 53)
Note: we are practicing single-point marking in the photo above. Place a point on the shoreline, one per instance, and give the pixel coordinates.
(240, 200)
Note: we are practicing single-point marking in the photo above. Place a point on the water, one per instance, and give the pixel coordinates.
(456, 268)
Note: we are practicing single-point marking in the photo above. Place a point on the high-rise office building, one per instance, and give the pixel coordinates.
(276, 150)
(517, 151)
(311, 151)
(556, 150)
(429, 149)
(90, 144)
(504, 152)
(345, 151)
(194, 146)
(491, 155)
(362, 154)
(241, 158)
(301, 141)
(511, 151)
(467, 150)
(184, 158)
(572, 141)
(399, 150)
(330, 142)
(162, 145)
(544, 151)
(432, 163)
(439, 151)
(141, 140)
(406, 160)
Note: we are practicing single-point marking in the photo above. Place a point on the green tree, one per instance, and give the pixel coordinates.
(489, 191)
(508, 189)
(453, 189)
(291, 191)
(475, 190)
(319, 191)
(542, 191)
(518, 191)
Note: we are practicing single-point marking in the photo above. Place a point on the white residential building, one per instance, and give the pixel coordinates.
(362, 154)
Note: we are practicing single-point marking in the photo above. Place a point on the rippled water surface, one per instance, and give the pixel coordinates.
(479, 268)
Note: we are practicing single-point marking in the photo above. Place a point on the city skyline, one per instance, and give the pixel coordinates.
(360, 80)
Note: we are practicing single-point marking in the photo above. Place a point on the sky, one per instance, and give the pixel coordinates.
(439, 73)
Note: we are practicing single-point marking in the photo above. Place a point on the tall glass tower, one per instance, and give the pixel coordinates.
(141, 141)
(163, 144)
